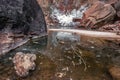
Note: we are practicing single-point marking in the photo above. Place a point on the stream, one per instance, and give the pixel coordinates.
(68, 57)
(65, 56)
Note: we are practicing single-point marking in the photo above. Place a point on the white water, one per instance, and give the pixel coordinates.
(66, 19)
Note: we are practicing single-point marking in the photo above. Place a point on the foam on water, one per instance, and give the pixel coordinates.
(65, 19)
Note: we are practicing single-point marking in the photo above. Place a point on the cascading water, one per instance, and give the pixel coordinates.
(66, 18)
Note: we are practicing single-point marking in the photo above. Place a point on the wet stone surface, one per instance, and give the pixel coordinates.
(19, 20)
(23, 63)
(115, 72)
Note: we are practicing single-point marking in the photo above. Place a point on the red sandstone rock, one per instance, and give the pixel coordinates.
(111, 27)
(97, 13)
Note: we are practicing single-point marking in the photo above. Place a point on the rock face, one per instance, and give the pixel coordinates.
(22, 16)
(24, 63)
(117, 7)
(19, 17)
(98, 12)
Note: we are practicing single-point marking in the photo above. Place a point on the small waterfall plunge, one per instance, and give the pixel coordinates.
(66, 18)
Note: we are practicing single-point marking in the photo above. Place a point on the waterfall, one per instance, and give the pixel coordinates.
(66, 18)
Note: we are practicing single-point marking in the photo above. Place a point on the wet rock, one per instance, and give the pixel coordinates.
(19, 20)
(92, 43)
(22, 16)
(115, 72)
(60, 75)
(111, 27)
(117, 7)
(98, 12)
(24, 63)
(67, 37)
(109, 1)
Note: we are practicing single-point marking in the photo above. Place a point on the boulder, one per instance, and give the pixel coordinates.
(19, 20)
(22, 16)
(98, 12)
(23, 63)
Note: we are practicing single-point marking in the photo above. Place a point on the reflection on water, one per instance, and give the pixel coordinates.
(62, 60)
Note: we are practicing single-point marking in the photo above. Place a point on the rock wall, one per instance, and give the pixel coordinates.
(22, 16)
(19, 20)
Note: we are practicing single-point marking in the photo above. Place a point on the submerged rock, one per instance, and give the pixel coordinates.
(115, 72)
(65, 36)
(24, 63)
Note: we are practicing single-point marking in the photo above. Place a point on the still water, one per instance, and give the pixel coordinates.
(64, 58)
